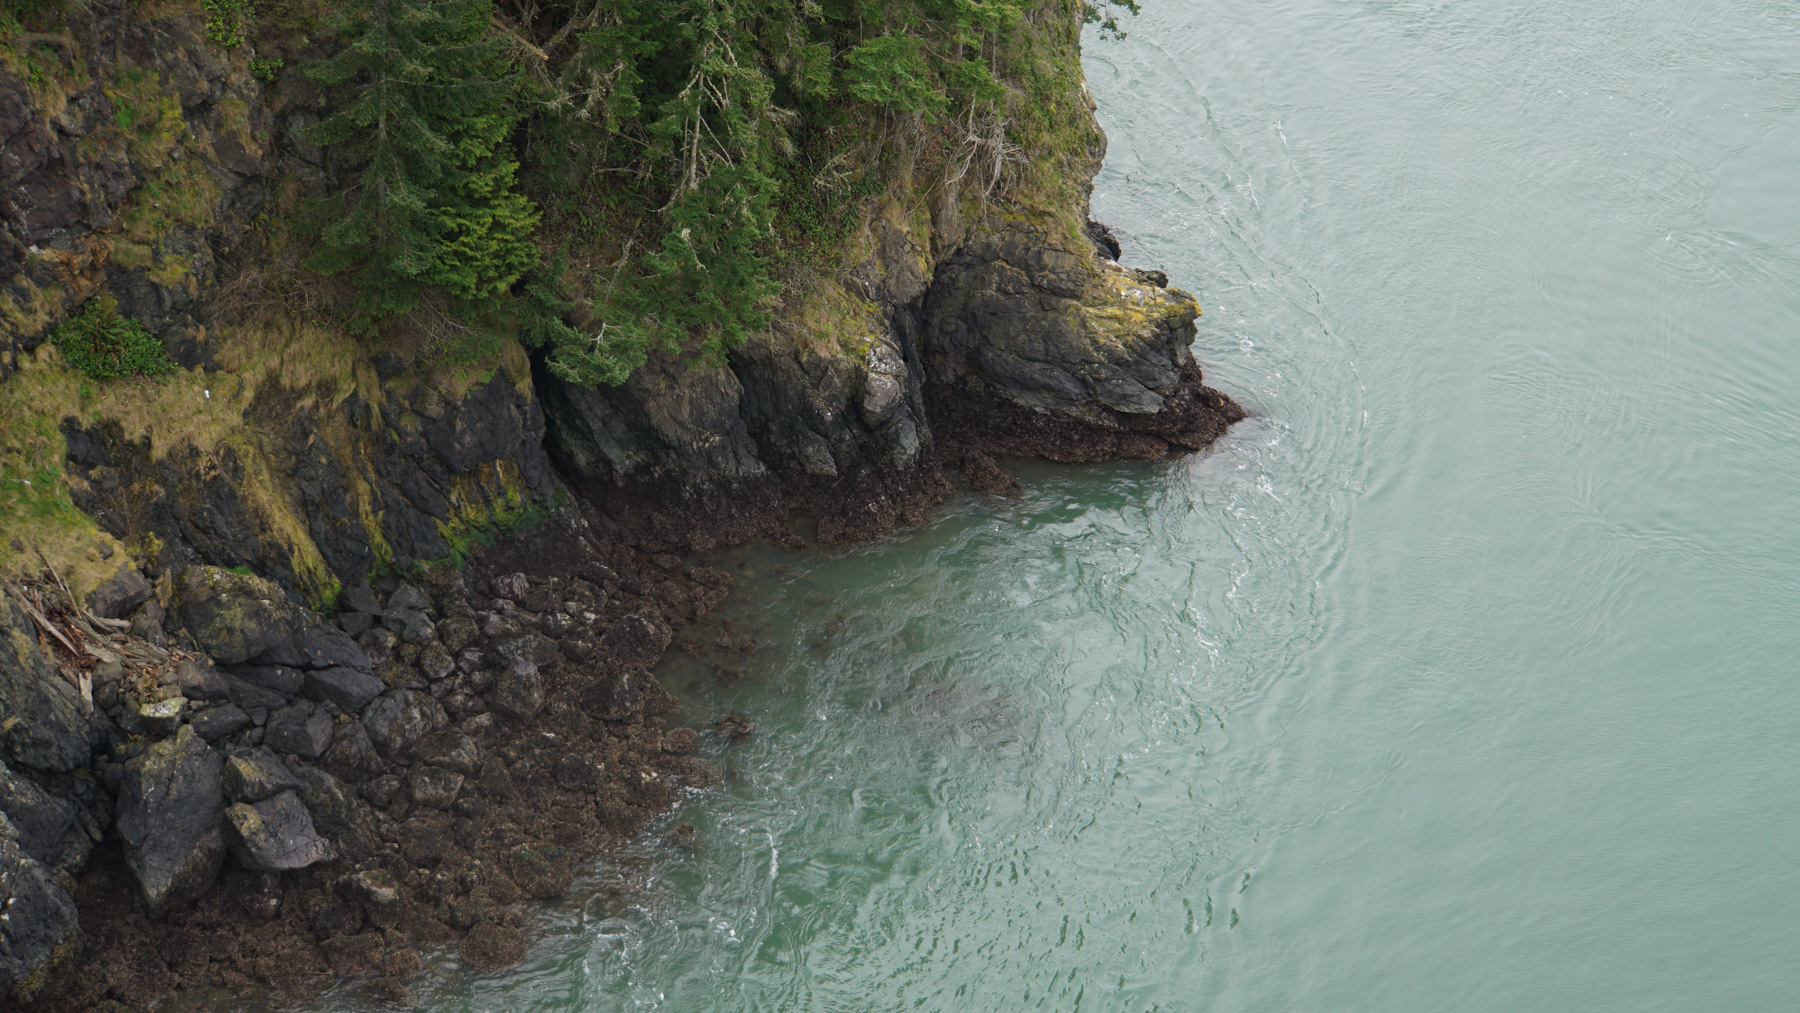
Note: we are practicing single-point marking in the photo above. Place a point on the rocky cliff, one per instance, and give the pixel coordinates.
(247, 648)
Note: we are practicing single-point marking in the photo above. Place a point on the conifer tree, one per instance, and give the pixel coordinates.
(426, 109)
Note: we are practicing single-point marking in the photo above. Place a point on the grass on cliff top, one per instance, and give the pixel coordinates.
(36, 513)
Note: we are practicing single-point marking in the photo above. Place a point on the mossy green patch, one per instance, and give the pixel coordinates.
(487, 504)
(37, 513)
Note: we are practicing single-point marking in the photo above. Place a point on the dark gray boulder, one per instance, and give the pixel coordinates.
(214, 723)
(200, 681)
(337, 812)
(252, 697)
(301, 728)
(324, 646)
(637, 641)
(275, 834)
(402, 717)
(407, 596)
(450, 749)
(171, 811)
(235, 617)
(352, 756)
(254, 776)
(39, 927)
(350, 689)
(282, 679)
(42, 721)
(120, 596)
(409, 625)
(518, 691)
(361, 598)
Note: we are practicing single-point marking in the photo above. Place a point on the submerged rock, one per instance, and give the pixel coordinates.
(171, 810)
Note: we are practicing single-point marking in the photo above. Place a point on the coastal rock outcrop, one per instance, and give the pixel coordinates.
(40, 925)
(42, 722)
(171, 808)
(287, 711)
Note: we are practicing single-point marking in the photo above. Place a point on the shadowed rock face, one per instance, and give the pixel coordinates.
(41, 722)
(41, 924)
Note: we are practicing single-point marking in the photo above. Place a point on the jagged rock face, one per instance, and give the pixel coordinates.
(69, 170)
(1039, 347)
(42, 723)
(40, 924)
(171, 808)
(1055, 331)
(1020, 342)
(417, 467)
(45, 826)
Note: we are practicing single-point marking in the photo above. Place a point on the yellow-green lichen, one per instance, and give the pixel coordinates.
(487, 503)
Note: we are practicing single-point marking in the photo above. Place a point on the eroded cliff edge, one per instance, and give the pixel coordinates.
(390, 661)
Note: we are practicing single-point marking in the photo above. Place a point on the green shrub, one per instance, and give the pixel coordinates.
(265, 69)
(105, 346)
(227, 21)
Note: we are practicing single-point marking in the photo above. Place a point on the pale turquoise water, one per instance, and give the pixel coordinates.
(1464, 677)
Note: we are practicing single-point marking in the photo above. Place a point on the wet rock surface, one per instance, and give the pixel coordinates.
(321, 839)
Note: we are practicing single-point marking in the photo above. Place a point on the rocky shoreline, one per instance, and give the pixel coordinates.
(484, 729)
(280, 800)
(228, 760)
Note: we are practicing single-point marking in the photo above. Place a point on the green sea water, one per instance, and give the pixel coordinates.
(1464, 676)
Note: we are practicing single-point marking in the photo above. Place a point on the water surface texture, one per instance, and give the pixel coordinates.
(1462, 677)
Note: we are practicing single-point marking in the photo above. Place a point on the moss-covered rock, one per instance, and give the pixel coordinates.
(234, 617)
